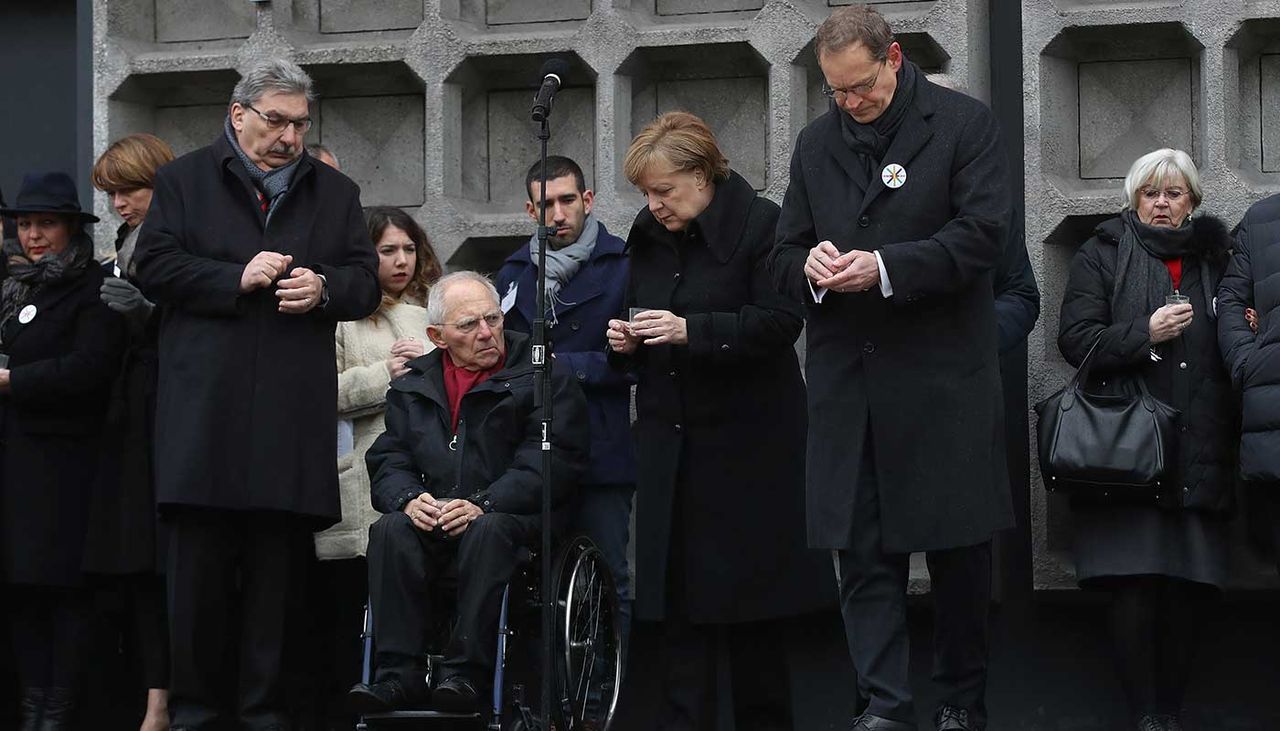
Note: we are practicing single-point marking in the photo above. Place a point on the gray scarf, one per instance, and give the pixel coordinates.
(124, 255)
(563, 264)
(271, 183)
(1142, 280)
(26, 278)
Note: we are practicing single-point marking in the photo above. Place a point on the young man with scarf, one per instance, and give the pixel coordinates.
(891, 228)
(587, 272)
(255, 252)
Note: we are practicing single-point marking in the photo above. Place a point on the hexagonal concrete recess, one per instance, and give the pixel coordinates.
(484, 254)
(1255, 148)
(919, 48)
(372, 115)
(725, 84)
(490, 139)
(185, 109)
(1109, 94)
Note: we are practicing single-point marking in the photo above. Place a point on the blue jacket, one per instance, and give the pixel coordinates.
(596, 294)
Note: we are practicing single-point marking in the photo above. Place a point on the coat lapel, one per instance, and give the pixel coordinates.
(911, 138)
(844, 156)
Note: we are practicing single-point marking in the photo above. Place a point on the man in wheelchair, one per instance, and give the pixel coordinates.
(458, 476)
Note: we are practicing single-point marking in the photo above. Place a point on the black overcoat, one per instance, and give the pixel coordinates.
(61, 364)
(1253, 360)
(246, 414)
(720, 427)
(919, 368)
(124, 537)
(1190, 375)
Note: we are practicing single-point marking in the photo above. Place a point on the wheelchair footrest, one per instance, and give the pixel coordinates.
(419, 716)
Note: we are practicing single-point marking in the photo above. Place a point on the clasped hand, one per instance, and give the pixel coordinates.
(651, 327)
(299, 293)
(453, 517)
(403, 351)
(853, 271)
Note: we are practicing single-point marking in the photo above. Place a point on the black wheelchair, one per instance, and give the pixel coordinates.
(587, 647)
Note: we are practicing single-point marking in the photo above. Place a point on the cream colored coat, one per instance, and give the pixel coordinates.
(363, 347)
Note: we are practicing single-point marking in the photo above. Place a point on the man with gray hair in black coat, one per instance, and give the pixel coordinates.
(255, 252)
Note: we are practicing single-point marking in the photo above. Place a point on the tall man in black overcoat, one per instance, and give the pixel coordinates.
(890, 230)
(255, 252)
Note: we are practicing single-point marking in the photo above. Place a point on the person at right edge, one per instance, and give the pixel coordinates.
(1247, 334)
(890, 232)
(1163, 560)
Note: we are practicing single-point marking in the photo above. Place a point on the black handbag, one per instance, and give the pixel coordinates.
(1106, 446)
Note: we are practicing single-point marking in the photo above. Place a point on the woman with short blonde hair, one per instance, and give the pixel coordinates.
(720, 435)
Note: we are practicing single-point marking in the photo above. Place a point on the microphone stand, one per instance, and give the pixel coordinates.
(542, 402)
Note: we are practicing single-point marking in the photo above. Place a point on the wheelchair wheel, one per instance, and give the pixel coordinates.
(589, 639)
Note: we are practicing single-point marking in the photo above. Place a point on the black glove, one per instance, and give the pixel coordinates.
(123, 297)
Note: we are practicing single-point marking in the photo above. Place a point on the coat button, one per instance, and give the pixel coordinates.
(673, 374)
(676, 276)
(582, 376)
(1183, 365)
(679, 428)
(724, 347)
(864, 221)
(575, 325)
(869, 348)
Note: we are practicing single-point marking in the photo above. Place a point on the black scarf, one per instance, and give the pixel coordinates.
(26, 278)
(871, 141)
(1142, 279)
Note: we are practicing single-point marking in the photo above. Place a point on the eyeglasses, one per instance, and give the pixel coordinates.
(858, 90)
(1172, 195)
(469, 324)
(276, 123)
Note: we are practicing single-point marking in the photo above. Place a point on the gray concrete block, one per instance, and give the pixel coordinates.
(345, 16)
(510, 12)
(732, 108)
(380, 141)
(686, 7)
(203, 20)
(513, 142)
(1129, 108)
(189, 128)
(1270, 86)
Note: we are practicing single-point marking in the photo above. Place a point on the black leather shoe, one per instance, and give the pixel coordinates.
(868, 722)
(388, 695)
(1150, 723)
(32, 709)
(59, 709)
(456, 695)
(951, 718)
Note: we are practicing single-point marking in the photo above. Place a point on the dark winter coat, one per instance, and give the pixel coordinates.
(919, 370)
(1189, 375)
(1253, 280)
(593, 297)
(123, 540)
(62, 364)
(495, 458)
(246, 417)
(1017, 295)
(720, 428)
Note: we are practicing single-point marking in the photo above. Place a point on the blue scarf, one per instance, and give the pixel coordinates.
(271, 183)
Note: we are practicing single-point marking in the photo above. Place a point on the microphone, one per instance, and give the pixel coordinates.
(553, 73)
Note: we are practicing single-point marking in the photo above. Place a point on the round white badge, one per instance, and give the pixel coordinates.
(894, 175)
(27, 314)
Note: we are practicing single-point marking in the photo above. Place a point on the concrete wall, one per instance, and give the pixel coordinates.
(1106, 82)
(426, 101)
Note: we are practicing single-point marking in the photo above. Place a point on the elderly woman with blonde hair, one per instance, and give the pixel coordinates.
(721, 558)
(1141, 293)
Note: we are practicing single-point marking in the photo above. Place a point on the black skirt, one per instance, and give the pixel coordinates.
(1130, 540)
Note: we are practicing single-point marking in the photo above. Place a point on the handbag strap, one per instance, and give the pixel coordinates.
(1082, 376)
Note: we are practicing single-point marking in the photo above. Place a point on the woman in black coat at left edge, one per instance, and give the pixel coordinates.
(63, 346)
(721, 557)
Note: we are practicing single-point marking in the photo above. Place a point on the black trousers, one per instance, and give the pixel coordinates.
(873, 596)
(50, 632)
(234, 583)
(405, 563)
(329, 647)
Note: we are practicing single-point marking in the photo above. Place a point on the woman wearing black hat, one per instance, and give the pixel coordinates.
(61, 346)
